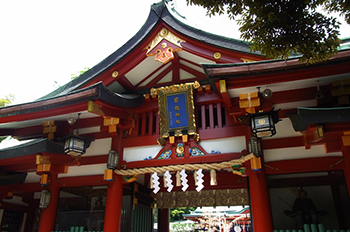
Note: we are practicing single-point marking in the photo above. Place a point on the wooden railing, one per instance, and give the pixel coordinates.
(76, 229)
(208, 116)
(312, 228)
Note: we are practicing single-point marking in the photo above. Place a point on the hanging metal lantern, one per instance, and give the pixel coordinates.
(75, 145)
(254, 146)
(263, 123)
(113, 158)
(45, 197)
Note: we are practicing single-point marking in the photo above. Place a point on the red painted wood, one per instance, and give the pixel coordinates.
(283, 143)
(113, 208)
(203, 117)
(155, 80)
(80, 181)
(27, 163)
(149, 75)
(219, 114)
(211, 116)
(304, 165)
(332, 140)
(207, 51)
(225, 96)
(163, 220)
(124, 82)
(281, 77)
(123, 67)
(13, 207)
(18, 160)
(21, 188)
(176, 70)
(346, 154)
(333, 146)
(157, 125)
(140, 141)
(150, 123)
(336, 128)
(46, 113)
(132, 59)
(206, 98)
(112, 111)
(191, 62)
(198, 75)
(191, 160)
(224, 132)
(48, 215)
(143, 125)
(147, 106)
(304, 94)
(260, 201)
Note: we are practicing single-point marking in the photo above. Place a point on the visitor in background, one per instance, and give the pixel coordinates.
(305, 210)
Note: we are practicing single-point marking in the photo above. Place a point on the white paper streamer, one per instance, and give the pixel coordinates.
(183, 180)
(155, 181)
(200, 180)
(169, 181)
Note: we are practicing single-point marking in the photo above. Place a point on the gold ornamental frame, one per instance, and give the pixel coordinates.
(168, 124)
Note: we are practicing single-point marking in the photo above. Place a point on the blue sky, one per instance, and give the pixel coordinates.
(44, 42)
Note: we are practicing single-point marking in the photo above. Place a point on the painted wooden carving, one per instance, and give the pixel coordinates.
(176, 111)
(164, 45)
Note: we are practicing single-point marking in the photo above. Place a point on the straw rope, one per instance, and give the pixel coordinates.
(189, 167)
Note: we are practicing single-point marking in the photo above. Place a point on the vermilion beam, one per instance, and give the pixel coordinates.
(305, 165)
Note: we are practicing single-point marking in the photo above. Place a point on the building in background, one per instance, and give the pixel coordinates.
(178, 117)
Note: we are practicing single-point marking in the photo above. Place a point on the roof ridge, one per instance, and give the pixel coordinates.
(166, 12)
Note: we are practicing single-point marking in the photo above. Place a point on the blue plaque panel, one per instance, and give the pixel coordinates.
(177, 111)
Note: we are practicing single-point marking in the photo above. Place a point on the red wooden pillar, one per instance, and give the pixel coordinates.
(346, 154)
(260, 201)
(113, 208)
(114, 200)
(259, 197)
(48, 215)
(163, 220)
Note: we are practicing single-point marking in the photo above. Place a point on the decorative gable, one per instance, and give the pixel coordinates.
(163, 46)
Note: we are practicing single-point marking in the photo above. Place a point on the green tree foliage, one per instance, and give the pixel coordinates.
(279, 28)
(74, 76)
(176, 213)
(4, 102)
(7, 100)
(182, 227)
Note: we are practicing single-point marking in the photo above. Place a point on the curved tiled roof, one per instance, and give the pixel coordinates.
(159, 12)
(93, 92)
(34, 146)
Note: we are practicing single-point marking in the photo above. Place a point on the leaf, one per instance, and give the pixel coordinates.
(280, 28)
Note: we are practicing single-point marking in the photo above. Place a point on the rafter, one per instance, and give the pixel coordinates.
(197, 74)
(176, 69)
(155, 80)
(150, 75)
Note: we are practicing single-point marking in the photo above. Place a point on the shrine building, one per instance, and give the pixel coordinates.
(179, 117)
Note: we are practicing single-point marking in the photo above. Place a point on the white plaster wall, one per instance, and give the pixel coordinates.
(284, 129)
(297, 153)
(84, 170)
(99, 147)
(296, 104)
(1, 214)
(224, 145)
(140, 153)
(16, 200)
(32, 177)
